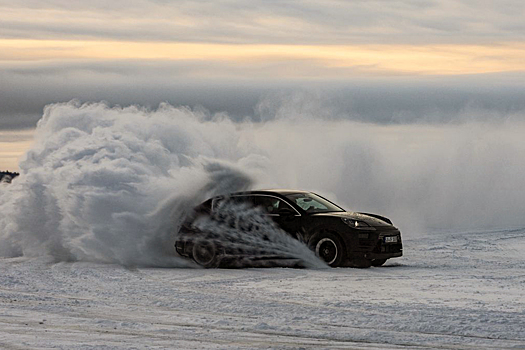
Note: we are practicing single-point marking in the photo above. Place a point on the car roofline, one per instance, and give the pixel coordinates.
(282, 192)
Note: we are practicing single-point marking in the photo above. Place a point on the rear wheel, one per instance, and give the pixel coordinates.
(378, 262)
(328, 247)
(206, 254)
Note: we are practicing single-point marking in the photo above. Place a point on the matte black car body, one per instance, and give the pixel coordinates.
(359, 239)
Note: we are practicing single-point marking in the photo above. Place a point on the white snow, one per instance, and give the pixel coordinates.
(451, 290)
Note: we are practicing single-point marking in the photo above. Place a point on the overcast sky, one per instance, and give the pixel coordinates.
(310, 22)
(380, 61)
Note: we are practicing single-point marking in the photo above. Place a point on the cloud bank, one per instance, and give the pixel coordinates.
(282, 22)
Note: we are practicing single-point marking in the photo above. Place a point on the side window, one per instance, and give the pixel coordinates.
(309, 204)
(245, 200)
(271, 205)
(240, 199)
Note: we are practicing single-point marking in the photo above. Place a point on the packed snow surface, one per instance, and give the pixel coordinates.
(451, 290)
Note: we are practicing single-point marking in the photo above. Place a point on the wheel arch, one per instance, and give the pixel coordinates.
(318, 235)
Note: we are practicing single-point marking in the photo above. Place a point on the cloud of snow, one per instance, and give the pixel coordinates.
(112, 184)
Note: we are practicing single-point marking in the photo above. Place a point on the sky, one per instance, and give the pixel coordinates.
(375, 61)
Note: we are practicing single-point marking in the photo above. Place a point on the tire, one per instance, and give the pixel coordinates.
(206, 254)
(328, 247)
(378, 262)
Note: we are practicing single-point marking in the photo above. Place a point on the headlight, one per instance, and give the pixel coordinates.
(361, 225)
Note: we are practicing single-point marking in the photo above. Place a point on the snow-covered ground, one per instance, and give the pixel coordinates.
(455, 290)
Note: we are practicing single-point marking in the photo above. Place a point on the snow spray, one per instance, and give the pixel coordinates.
(111, 184)
(114, 184)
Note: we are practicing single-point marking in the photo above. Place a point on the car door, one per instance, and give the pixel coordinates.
(273, 207)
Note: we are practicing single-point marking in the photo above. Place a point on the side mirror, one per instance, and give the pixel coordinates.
(286, 212)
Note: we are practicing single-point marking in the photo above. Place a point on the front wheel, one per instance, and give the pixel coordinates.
(328, 247)
(206, 254)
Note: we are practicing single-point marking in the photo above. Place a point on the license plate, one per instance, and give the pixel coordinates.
(391, 239)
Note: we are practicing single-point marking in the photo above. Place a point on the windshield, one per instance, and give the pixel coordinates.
(312, 203)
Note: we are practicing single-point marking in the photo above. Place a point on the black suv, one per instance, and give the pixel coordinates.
(338, 237)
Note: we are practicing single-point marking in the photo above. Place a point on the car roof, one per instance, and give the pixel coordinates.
(282, 192)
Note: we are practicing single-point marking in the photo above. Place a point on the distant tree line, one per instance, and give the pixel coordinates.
(7, 176)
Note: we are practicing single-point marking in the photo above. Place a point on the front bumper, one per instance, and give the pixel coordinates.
(374, 256)
(384, 249)
(378, 245)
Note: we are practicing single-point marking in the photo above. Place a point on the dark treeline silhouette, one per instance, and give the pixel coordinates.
(7, 176)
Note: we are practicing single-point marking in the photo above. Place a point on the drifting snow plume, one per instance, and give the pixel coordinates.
(112, 185)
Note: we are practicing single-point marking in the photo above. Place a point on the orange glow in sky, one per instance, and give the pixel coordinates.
(371, 59)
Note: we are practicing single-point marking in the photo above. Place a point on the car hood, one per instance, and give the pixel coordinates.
(356, 216)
